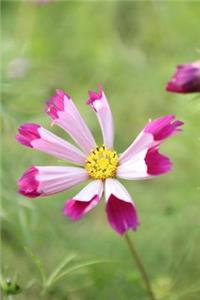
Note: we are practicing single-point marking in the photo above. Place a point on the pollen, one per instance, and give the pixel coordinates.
(102, 163)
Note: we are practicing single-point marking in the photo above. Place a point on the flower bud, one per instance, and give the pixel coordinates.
(186, 79)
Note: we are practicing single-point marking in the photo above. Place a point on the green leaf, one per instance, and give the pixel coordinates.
(80, 266)
(59, 268)
(37, 262)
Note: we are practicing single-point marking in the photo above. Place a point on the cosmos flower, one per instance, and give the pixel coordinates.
(186, 79)
(101, 165)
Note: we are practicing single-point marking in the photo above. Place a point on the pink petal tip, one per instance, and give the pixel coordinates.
(163, 127)
(56, 103)
(93, 96)
(157, 163)
(28, 183)
(27, 133)
(122, 215)
(75, 209)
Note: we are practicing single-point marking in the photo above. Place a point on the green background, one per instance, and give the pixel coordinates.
(131, 48)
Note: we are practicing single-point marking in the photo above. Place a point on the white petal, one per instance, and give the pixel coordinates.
(56, 179)
(135, 168)
(114, 187)
(54, 145)
(142, 142)
(102, 109)
(89, 191)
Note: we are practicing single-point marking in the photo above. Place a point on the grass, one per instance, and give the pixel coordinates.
(131, 48)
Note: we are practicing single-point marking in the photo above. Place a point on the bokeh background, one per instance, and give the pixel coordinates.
(131, 48)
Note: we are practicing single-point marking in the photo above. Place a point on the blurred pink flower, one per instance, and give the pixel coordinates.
(186, 79)
(102, 166)
(18, 67)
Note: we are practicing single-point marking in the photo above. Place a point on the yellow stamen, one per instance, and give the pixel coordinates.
(102, 163)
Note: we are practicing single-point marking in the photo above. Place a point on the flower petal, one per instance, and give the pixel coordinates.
(120, 209)
(102, 109)
(27, 133)
(145, 165)
(35, 136)
(84, 201)
(142, 142)
(152, 135)
(43, 181)
(157, 163)
(65, 114)
(186, 79)
(134, 168)
(28, 184)
(163, 127)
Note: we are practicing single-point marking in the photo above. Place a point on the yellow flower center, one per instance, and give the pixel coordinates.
(102, 163)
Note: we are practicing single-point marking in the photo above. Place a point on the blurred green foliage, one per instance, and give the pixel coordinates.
(131, 48)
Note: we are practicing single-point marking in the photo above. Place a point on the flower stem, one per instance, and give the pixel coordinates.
(140, 267)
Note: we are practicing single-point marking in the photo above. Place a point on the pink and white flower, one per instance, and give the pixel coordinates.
(101, 166)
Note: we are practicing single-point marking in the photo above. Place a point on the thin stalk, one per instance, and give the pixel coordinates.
(140, 267)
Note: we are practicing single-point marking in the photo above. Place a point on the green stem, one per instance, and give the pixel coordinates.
(140, 267)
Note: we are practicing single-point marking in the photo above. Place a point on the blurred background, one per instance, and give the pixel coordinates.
(131, 48)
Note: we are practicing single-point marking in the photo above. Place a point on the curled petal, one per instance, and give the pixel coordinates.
(100, 105)
(186, 79)
(57, 104)
(27, 133)
(163, 127)
(65, 114)
(157, 163)
(84, 201)
(120, 209)
(43, 181)
(33, 135)
(28, 184)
